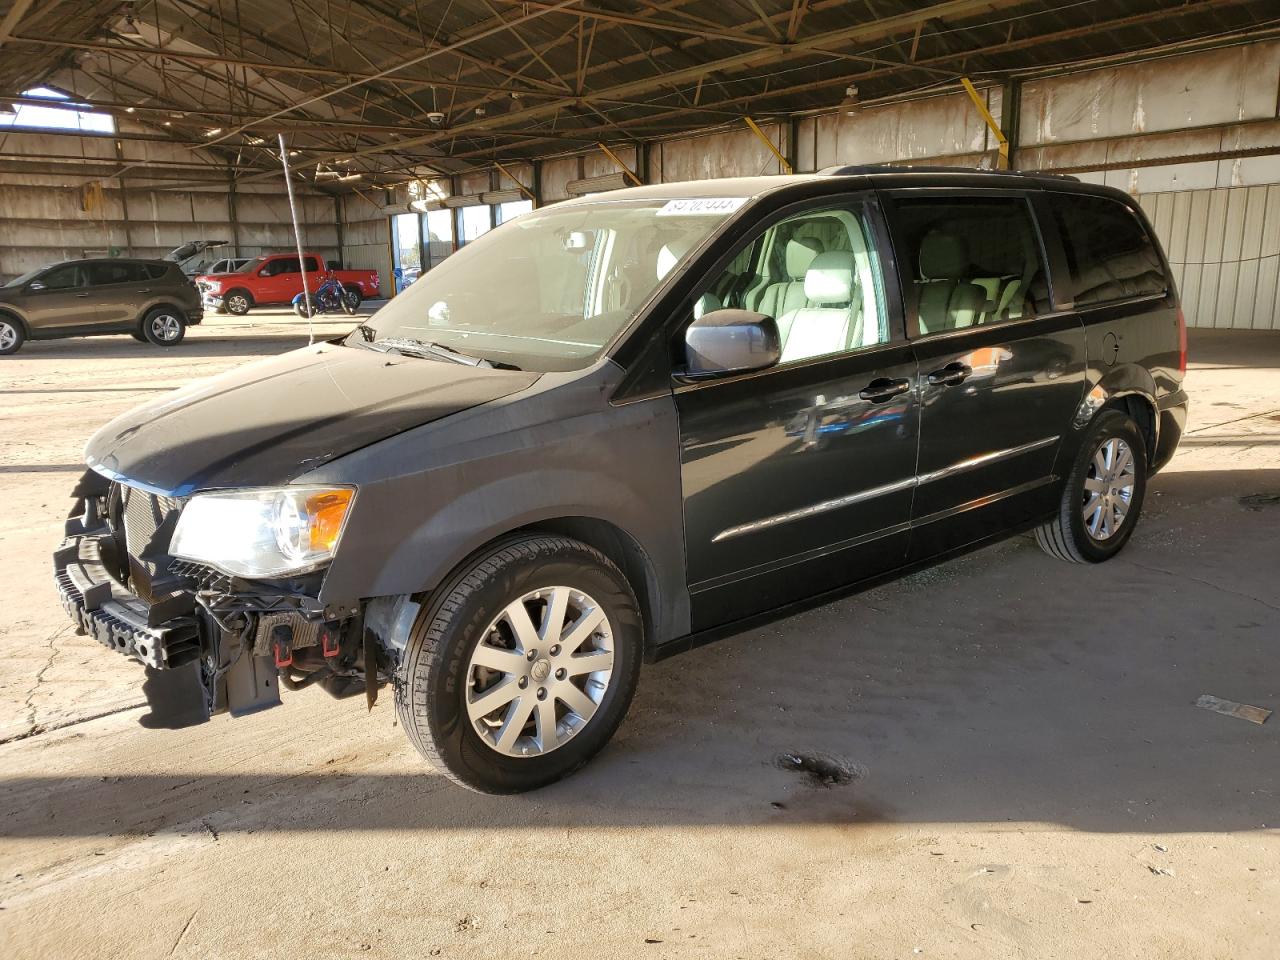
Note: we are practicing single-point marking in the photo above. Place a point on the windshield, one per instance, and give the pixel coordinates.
(29, 275)
(551, 289)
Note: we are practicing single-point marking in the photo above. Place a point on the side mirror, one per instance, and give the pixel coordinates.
(35, 285)
(731, 341)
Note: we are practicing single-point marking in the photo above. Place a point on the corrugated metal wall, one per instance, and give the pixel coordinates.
(1224, 248)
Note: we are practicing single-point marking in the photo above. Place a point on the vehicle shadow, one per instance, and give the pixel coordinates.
(1003, 687)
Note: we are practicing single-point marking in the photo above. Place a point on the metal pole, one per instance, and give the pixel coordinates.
(297, 237)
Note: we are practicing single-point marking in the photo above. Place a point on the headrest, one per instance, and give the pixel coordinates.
(799, 256)
(671, 254)
(943, 256)
(830, 278)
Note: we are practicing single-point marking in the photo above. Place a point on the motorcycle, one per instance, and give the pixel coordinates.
(330, 297)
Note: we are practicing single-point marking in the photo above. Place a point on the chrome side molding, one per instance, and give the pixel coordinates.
(919, 479)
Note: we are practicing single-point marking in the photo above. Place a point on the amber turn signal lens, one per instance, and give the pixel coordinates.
(325, 512)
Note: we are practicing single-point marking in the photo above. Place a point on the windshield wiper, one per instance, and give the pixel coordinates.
(428, 349)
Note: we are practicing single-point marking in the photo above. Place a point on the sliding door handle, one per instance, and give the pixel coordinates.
(950, 375)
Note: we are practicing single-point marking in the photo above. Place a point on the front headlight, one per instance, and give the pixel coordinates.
(263, 533)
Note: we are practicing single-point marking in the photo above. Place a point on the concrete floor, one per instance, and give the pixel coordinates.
(1033, 780)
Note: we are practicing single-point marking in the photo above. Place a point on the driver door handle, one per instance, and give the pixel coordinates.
(882, 388)
(950, 375)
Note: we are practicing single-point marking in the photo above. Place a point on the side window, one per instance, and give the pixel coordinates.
(969, 261)
(154, 271)
(287, 265)
(1109, 253)
(64, 278)
(106, 272)
(313, 265)
(818, 275)
(269, 269)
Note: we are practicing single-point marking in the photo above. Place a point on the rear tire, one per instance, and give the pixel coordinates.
(582, 628)
(139, 336)
(1103, 496)
(300, 308)
(164, 327)
(12, 336)
(238, 302)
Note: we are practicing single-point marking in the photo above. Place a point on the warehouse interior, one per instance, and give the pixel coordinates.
(1024, 778)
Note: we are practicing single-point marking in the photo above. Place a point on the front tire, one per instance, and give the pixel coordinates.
(164, 327)
(237, 303)
(1103, 495)
(12, 336)
(522, 666)
(351, 300)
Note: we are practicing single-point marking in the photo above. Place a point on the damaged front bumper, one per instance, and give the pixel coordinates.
(210, 643)
(105, 610)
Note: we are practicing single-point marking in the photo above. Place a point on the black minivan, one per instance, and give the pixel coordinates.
(621, 426)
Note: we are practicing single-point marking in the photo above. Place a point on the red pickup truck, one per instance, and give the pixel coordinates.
(276, 278)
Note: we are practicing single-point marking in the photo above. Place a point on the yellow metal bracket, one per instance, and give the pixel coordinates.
(516, 180)
(990, 121)
(782, 161)
(621, 166)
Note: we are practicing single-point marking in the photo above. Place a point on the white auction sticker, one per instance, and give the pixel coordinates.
(715, 206)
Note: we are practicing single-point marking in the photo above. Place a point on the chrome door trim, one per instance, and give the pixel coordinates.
(826, 506)
(814, 509)
(982, 459)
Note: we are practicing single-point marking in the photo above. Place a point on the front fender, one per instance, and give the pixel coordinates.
(430, 497)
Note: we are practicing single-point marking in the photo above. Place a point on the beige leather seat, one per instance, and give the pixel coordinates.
(829, 324)
(945, 297)
(780, 298)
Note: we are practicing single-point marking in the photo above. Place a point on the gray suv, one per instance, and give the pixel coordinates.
(151, 299)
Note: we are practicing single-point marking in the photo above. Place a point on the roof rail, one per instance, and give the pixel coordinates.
(865, 169)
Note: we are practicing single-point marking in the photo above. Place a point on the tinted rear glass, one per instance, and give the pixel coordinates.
(1110, 254)
(106, 272)
(155, 271)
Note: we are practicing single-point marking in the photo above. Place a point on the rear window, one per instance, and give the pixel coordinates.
(1109, 252)
(155, 271)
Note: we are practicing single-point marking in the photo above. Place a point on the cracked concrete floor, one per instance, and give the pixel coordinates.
(1035, 781)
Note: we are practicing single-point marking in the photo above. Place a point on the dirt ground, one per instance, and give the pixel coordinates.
(1030, 776)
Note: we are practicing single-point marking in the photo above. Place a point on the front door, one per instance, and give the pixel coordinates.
(1001, 373)
(282, 279)
(59, 299)
(798, 479)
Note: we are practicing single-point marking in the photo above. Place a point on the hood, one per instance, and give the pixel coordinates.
(268, 422)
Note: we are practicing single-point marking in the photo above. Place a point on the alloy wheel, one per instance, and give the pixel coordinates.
(166, 327)
(1108, 489)
(8, 335)
(539, 672)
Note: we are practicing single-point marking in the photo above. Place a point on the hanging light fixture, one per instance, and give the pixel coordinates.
(851, 104)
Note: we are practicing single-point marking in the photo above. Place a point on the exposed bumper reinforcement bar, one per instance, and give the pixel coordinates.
(114, 617)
